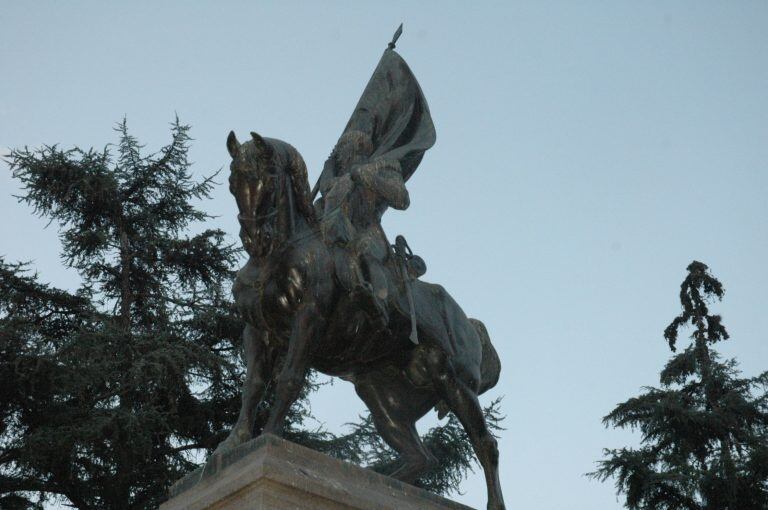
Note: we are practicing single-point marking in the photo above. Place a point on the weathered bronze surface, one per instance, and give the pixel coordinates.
(324, 289)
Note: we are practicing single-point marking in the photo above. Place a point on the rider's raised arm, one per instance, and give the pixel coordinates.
(385, 179)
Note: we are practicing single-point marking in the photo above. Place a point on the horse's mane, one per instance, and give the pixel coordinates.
(285, 158)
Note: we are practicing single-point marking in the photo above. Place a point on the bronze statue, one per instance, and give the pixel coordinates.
(324, 289)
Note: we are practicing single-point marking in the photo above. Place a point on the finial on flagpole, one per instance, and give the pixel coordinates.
(391, 45)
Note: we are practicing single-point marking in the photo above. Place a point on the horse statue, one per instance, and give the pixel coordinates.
(324, 289)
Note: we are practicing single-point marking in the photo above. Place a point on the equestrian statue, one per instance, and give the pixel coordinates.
(324, 289)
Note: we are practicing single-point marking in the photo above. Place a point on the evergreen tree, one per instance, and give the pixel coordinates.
(704, 431)
(107, 390)
(110, 393)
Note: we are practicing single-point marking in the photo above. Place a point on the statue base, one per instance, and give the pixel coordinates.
(270, 473)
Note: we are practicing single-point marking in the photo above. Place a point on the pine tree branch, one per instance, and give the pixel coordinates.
(11, 485)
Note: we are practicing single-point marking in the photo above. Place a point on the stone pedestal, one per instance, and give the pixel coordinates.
(269, 473)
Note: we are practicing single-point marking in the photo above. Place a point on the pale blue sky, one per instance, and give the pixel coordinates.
(586, 153)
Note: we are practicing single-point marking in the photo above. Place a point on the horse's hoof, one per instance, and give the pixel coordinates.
(273, 431)
(223, 447)
(235, 439)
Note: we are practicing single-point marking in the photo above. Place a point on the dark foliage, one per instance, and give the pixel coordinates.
(704, 432)
(107, 391)
(448, 443)
(110, 393)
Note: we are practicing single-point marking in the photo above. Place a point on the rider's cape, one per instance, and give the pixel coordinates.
(393, 112)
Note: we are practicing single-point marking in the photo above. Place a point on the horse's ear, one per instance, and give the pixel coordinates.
(261, 145)
(233, 146)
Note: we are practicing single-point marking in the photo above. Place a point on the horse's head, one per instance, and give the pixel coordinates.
(253, 182)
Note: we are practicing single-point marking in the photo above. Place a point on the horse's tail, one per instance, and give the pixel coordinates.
(490, 366)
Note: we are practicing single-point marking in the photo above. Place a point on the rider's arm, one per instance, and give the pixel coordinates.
(385, 179)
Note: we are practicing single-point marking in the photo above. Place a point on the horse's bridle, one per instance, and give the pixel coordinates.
(256, 219)
(285, 181)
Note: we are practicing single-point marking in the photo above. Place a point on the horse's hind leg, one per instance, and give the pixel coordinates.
(463, 402)
(395, 420)
(254, 384)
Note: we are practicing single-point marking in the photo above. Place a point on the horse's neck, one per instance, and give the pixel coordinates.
(288, 223)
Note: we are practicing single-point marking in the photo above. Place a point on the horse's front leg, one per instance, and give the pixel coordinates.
(255, 352)
(307, 323)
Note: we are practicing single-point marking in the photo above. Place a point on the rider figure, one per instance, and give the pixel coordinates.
(353, 203)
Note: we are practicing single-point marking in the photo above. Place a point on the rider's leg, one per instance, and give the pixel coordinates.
(378, 278)
(346, 268)
(351, 275)
(379, 286)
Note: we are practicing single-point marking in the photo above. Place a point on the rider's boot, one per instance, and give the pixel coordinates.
(374, 307)
(382, 315)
